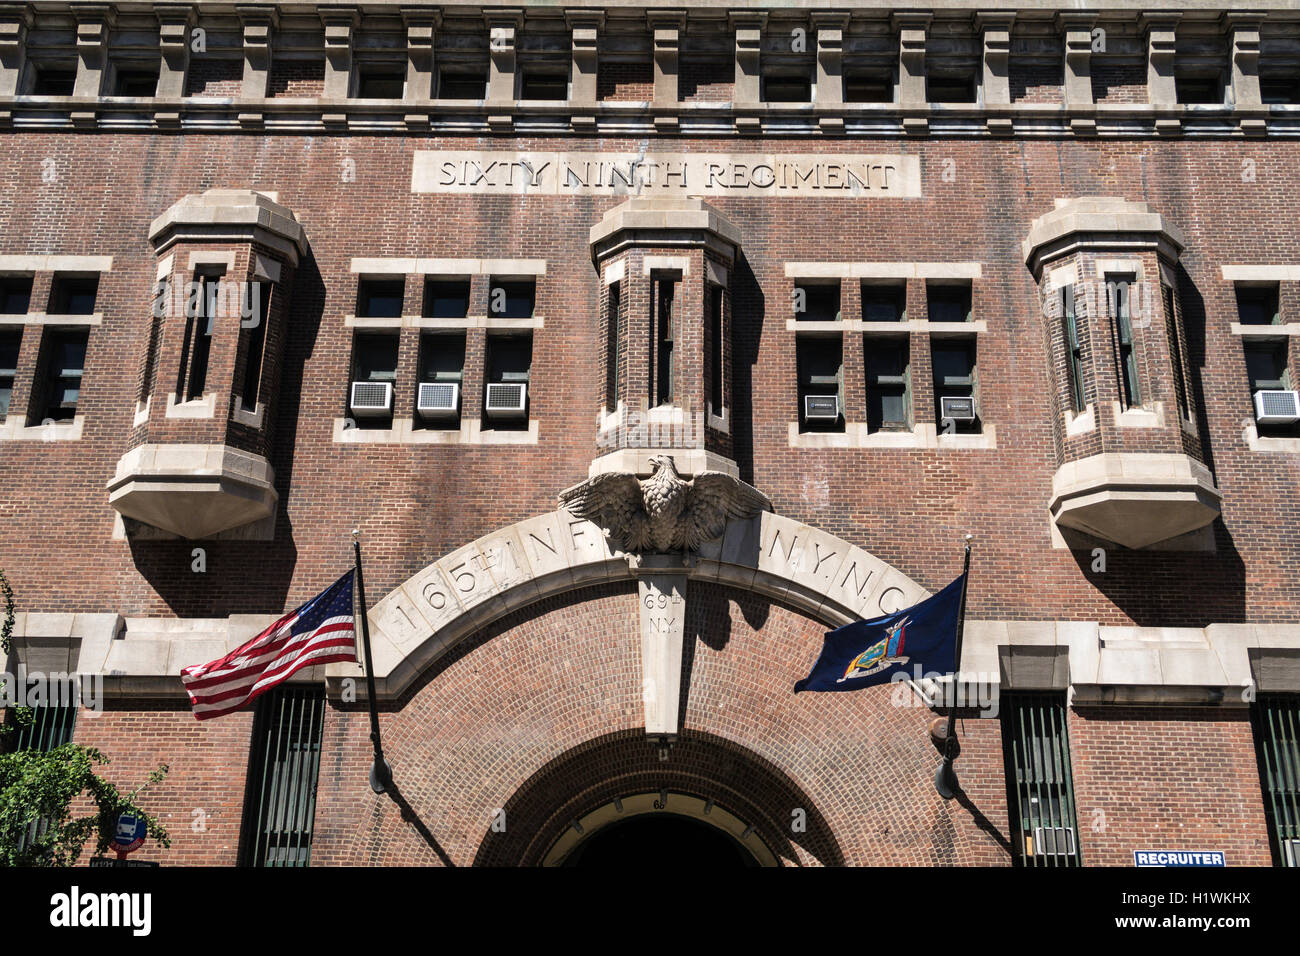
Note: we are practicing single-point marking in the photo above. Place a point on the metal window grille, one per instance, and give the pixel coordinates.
(1276, 722)
(284, 762)
(1039, 781)
(51, 727)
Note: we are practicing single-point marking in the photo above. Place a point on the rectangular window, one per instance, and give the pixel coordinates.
(613, 330)
(882, 302)
(462, 85)
(258, 294)
(1040, 783)
(200, 321)
(446, 298)
(1266, 365)
(73, 295)
(512, 298)
(10, 342)
(868, 88)
(1119, 294)
(817, 301)
(508, 365)
(54, 80)
(374, 360)
(136, 81)
(948, 302)
(953, 363)
(1198, 89)
(664, 304)
(381, 83)
(889, 394)
(787, 89)
(716, 353)
(1258, 304)
(283, 766)
(541, 85)
(820, 366)
(1279, 89)
(380, 298)
(950, 88)
(1073, 353)
(1276, 723)
(15, 295)
(441, 376)
(64, 361)
(1175, 352)
(51, 727)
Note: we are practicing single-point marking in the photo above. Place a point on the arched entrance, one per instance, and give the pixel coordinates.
(641, 831)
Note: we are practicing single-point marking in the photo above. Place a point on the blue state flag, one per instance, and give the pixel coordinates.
(866, 653)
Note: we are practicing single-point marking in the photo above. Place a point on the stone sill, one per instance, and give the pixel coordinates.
(937, 329)
(427, 322)
(1266, 331)
(923, 436)
(42, 318)
(452, 268)
(15, 428)
(1268, 443)
(404, 432)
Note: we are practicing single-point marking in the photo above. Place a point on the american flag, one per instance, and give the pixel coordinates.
(319, 632)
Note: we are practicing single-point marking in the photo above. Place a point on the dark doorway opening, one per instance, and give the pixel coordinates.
(660, 839)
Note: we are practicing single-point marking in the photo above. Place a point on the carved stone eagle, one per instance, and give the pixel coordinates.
(664, 513)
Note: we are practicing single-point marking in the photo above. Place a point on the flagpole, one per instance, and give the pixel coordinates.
(945, 778)
(381, 775)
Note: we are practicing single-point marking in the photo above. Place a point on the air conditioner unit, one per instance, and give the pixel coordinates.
(506, 399)
(1277, 407)
(957, 408)
(1053, 841)
(821, 408)
(371, 399)
(438, 399)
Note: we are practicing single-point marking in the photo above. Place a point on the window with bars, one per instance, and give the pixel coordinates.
(283, 766)
(51, 727)
(1040, 788)
(1276, 721)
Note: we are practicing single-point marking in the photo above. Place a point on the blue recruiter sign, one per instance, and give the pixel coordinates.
(129, 834)
(1179, 858)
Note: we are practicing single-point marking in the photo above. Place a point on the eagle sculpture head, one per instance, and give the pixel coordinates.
(665, 512)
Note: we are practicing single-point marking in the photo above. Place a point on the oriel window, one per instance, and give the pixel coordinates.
(202, 306)
(1073, 352)
(664, 303)
(1120, 291)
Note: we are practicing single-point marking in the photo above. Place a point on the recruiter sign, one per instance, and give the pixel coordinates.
(1179, 858)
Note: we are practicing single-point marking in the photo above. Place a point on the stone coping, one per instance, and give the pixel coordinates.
(226, 214)
(1108, 220)
(663, 214)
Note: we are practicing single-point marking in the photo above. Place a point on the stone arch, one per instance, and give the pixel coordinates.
(427, 615)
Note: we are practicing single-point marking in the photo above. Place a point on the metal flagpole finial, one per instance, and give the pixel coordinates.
(356, 533)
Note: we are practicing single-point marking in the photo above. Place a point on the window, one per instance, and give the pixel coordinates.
(1198, 89)
(1175, 352)
(889, 394)
(254, 335)
(512, 298)
(787, 89)
(15, 295)
(51, 727)
(380, 83)
(716, 355)
(73, 295)
(1119, 294)
(200, 320)
(64, 361)
(1279, 89)
(950, 88)
(1040, 783)
(10, 342)
(1073, 352)
(819, 361)
(1257, 304)
(1266, 365)
(538, 85)
(380, 298)
(509, 364)
(868, 88)
(884, 303)
(1275, 719)
(283, 766)
(462, 85)
(817, 301)
(54, 80)
(948, 303)
(953, 364)
(613, 331)
(664, 306)
(446, 298)
(374, 361)
(442, 363)
(136, 81)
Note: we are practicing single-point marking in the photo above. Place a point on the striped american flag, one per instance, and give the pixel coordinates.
(319, 632)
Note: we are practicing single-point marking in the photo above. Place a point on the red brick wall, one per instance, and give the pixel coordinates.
(625, 81)
(1166, 779)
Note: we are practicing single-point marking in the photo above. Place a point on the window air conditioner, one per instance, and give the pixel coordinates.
(371, 399)
(957, 408)
(1053, 841)
(506, 399)
(437, 399)
(1277, 407)
(821, 408)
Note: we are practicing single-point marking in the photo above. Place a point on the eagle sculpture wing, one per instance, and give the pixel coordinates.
(716, 498)
(613, 501)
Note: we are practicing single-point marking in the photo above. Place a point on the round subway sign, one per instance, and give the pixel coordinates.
(129, 834)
